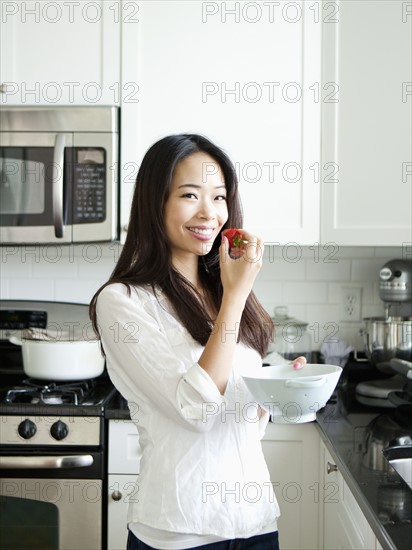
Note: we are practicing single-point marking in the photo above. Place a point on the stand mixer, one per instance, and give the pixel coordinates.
(388, 339)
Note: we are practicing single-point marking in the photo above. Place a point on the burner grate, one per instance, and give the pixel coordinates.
(32, 391)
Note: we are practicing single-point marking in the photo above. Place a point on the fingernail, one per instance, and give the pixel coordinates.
(297, 365)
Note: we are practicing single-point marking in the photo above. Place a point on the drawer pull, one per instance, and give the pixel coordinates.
(331, 468)
(117, 495)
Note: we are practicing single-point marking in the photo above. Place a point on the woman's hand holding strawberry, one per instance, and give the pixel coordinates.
(241, 257)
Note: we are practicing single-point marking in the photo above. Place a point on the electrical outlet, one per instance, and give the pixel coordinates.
(351, 300)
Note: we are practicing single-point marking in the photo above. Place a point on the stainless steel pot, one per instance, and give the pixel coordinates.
(385, 431)
(386, 339)
(394, 503)
(59, 359)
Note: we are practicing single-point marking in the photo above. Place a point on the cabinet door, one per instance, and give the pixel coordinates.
(121, 491)
(367, 128)
(246, 75)
(344, 524)
(60, 53)
(292, 456)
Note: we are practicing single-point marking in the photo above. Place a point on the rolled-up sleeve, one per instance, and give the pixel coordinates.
(143, 364)
(197, 387)
(263, 422)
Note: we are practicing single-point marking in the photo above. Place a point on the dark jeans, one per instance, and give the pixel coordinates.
(259, 542)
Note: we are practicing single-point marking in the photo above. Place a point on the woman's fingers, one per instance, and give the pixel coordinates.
(299, 362)
(225, 244)
(251, 249)
(224, 250)
(240, 265)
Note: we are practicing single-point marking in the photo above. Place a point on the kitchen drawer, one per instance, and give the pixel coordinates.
(124, 449)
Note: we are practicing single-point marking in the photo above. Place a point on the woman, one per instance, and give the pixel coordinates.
(179, 323)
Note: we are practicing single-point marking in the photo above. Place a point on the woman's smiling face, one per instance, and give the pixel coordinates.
(196, 208)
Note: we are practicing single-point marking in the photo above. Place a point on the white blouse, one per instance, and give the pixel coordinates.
(202, 470)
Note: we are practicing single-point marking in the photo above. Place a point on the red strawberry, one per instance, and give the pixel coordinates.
(234, 236)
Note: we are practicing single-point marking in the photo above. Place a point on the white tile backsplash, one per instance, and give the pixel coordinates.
(59, 266)
(393, 253)
(79, 291)
(305, 293)
(268, 293)
(325, 271)
(56, 272)
(32, 289)
(307, 280)
(279, 269)
(366, 270)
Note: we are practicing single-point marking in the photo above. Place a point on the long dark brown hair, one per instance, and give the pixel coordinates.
(146, 256)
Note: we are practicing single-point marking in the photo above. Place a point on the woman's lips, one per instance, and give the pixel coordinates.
(201, 233)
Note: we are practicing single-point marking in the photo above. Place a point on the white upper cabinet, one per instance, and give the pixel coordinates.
(367, 133)
(64, 52)
(251, 76)
(246, 75)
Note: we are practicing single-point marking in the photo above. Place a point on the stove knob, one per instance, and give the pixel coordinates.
(27, 429)
(59, 430)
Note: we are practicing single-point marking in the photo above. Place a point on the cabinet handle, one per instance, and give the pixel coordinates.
(3, 88)
(331, 468)
(117, 495)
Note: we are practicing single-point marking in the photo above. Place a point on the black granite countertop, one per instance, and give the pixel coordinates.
(117, 409)
(385, 499)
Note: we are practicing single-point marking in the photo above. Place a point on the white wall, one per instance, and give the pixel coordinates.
(306, 279)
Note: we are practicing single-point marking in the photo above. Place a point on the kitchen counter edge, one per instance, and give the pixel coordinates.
(384, 540)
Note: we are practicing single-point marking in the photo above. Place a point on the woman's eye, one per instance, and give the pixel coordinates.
(221, 198)
(189, 196)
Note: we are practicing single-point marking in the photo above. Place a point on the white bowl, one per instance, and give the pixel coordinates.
(293, 396)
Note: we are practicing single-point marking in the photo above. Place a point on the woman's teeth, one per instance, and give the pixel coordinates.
(201, 231)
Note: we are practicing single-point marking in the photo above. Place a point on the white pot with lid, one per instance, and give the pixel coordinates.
(59, 358)
(291, 338)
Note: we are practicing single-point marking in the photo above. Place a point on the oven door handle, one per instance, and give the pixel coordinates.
(45, 462)
(58, 173)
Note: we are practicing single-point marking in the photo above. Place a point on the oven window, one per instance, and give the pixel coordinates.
(28, 524)
(22, 184)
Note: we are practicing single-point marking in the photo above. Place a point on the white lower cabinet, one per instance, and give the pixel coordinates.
(124, 462)
(318, 511)
(292, 455)
(344, 524)
(121, 492)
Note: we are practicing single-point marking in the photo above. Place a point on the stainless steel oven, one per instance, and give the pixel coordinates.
(53, 441)
(50, 494)
(59, 174)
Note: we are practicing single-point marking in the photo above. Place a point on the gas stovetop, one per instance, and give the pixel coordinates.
(20, 395)
(75, 398)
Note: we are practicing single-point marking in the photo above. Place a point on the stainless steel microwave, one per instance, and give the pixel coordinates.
(59, 174)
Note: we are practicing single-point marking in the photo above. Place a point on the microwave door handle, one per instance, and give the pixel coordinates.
(58, 172)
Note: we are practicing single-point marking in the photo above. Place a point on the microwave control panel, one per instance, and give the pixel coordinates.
(89, 185)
